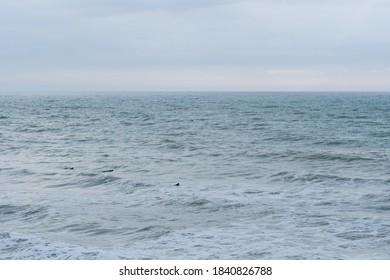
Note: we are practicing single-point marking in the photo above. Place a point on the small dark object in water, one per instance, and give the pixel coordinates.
(178, 184)
(69, 168)
(109, 170)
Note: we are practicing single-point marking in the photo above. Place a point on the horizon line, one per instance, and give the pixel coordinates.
(192, 91)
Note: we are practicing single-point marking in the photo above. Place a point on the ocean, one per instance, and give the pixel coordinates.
(218, 175)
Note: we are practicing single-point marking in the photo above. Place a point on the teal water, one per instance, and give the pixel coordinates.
(261, 176)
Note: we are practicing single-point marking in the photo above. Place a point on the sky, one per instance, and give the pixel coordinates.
(194, 45)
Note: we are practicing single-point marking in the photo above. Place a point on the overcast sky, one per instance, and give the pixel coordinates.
(194, 45)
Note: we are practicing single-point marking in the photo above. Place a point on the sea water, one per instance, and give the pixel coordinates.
(195, 175)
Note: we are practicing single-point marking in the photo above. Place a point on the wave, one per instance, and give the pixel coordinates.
(294, 155)
(285, 176)
(87, 180)
(333, 157)
(9, 212)
(30, 247)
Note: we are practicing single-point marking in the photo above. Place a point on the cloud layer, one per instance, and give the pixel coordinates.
(194, 45)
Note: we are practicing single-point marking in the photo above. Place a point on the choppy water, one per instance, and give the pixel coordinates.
(262, 176)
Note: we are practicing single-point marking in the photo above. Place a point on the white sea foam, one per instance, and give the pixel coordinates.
(25, 246)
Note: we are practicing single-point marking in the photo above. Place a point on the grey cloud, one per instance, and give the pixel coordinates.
(237, 32)
(107, 7)
(120, 34)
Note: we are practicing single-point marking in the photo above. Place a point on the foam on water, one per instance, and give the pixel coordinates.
(23, 246)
